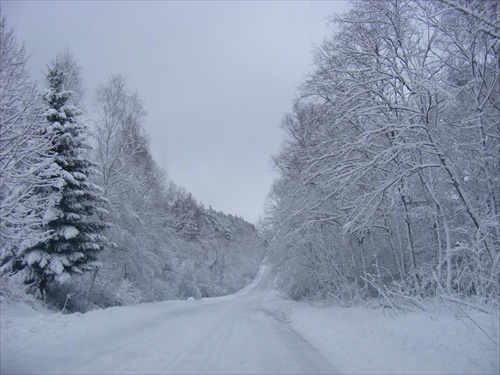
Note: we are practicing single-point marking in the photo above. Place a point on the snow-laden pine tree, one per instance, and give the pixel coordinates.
(75, 221)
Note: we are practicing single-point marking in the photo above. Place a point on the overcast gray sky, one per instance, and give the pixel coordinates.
(216, 78)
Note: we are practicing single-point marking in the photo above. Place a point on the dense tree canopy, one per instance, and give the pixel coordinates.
(389, 176)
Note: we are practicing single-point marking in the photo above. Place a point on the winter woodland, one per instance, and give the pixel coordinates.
(389, 175)
(88, 218)
(387, 187)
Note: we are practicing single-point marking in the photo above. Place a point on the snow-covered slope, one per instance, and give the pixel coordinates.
(252, 331)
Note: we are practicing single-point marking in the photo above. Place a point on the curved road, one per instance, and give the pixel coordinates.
(232, 334)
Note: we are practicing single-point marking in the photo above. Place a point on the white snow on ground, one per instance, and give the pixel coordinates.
(367, 341)
(252, 331)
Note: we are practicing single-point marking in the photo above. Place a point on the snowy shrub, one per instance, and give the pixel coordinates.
(127, 294)
(13, 290)
(187, 289)
(162, 290)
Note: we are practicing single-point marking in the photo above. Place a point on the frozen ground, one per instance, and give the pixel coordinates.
(252, 331)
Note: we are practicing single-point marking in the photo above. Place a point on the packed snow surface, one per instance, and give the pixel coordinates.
(252, 331)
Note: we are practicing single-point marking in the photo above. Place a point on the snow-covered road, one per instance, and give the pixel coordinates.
(252, 331)
(232, 334)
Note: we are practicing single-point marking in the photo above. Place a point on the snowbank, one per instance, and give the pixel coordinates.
(368, 341)
(22, 326)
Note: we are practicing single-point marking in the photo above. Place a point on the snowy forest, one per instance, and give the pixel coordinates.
(387, 180)
(88, 219)
(389, 175)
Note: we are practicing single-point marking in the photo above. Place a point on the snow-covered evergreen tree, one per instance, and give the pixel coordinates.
(75, 221)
